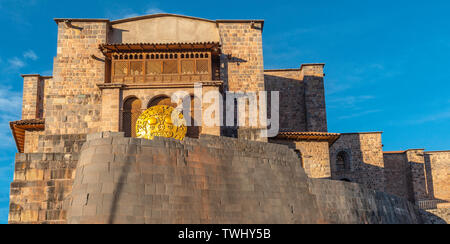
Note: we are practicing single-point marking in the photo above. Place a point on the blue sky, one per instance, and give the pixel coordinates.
(386, 67)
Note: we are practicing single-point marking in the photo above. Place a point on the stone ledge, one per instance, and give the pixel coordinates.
(104, 134)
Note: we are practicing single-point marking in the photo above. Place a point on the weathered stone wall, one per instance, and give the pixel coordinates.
(111, 110)
(244, 69)
(438, 174)
(416, 163)
(241, 62)
(31, 144)
(422, 177)
(315, 156)
(316, 116)
(73, 103)
(398, 175)
(61, 143)
(41, 183)
(350, 203)
(292, 98)
(365, 158)
(211, 180)
(214, 180)
(33, 96)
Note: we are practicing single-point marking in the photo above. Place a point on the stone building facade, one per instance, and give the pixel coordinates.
(108, 72)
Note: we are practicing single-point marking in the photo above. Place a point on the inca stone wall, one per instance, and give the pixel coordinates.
(41, 183)
(73, 103)
(365, 157)
(349, 203)
(61, 143)
(315, 156)
(31, 144)
(211, 180)
(214, 180)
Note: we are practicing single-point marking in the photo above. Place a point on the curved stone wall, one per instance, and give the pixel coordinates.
(350, 203)
(213, 180)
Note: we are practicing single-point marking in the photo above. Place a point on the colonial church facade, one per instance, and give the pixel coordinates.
(106, 73)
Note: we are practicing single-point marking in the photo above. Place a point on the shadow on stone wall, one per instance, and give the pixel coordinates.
(292, 102)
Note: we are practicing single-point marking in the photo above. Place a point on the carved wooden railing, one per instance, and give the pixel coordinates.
(161, 67)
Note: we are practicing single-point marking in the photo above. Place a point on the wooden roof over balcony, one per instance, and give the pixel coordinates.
(18, 129)
(159, 47)
(309, 136)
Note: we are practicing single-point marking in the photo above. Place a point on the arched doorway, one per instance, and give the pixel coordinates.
(161, 100)
(130, 114)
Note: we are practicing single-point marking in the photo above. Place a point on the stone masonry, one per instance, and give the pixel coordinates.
(73, 99)
(365, 157)
(214, 180)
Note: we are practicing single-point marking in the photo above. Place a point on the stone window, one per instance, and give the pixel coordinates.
(342, 161)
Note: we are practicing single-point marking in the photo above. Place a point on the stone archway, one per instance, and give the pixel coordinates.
(130, 114)
(161, 100)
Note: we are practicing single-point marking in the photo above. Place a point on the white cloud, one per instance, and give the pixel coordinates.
(124, 13)
(30, 54)
(154, 11)
(130, 15)
(10, 110)
(333, 86)
(16, 63)
(444, 115)
(359, 114)
(47, 72)
(10, 101)
(348, 101)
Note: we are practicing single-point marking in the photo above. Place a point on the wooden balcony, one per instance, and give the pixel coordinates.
(162, 63)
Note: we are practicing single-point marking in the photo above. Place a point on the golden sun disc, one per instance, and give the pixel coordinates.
(163, 121)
